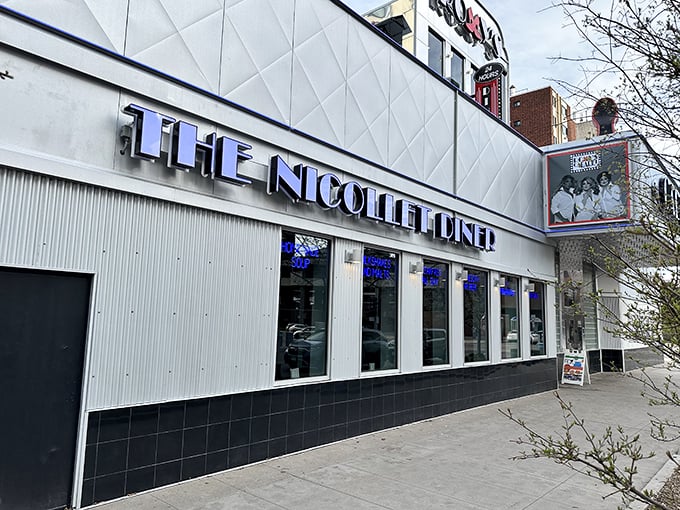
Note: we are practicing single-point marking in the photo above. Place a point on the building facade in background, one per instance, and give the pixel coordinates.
(542, 116)
(585, 130)
(454, 39)
(216, 251)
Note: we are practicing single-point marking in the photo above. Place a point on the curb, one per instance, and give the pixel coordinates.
(657, 482)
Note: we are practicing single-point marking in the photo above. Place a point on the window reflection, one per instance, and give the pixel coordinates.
(475, 316)
(457, 68)
(435, 52)
(435, 313)
(379, 310)
(509, 291)
(303, 307)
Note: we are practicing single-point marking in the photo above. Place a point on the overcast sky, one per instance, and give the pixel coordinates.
(534, 33)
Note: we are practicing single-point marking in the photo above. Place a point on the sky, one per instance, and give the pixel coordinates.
(534, 33)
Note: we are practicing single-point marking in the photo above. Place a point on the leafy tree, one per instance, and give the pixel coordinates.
(635, 46)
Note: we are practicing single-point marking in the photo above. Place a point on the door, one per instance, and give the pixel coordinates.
(43, 326)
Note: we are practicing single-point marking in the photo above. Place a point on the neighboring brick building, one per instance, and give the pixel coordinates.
(542, 116)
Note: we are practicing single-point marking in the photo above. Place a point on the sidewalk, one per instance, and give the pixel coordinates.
(459, 461)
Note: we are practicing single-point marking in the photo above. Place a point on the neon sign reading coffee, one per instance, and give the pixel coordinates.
(219, 157)
(472, 283)
(431, 276)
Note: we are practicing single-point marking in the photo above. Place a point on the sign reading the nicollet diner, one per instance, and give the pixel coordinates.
(220, 157)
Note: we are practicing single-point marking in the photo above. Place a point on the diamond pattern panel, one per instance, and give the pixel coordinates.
(368, 72)
(407, 117)
(258, 52)
(319, 92)
(439, 139)
(516, 187)
(308, 64)
(178, 38)
(102, 23)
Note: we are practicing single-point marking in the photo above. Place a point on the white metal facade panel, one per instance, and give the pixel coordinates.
(440, 135)
(182, 39)
(494, 328)
(102, 23)
(345, 340)
(312, 66)
(407, 116)
(551, 317)
(457, 327)
(410, 338)
(496, 168)
(257, 64)
(184, 298)
(40, 91)
(319, 91)
(368, 94)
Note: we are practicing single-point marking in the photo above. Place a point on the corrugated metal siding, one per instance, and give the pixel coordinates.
(558, 321)
(185, 299)
(410, 338)
(345, 313)
(590, 336)
(610, 304)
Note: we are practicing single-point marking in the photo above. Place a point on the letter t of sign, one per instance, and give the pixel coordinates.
(147, 132)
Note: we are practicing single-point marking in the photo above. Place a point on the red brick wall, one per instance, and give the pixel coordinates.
(534, 114)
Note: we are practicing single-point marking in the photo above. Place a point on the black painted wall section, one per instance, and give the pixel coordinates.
(595, 361)
(134, 449)
(639, 358)
(612, 360)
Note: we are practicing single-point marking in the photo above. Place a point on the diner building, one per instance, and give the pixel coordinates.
(234, 230)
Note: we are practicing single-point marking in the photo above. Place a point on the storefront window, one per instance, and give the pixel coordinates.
(537, 318)
(379, 315)
(510, 338)
(475, 316)
(303, 307)
(435, 313)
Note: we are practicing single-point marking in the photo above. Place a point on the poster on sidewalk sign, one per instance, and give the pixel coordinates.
(575, 368)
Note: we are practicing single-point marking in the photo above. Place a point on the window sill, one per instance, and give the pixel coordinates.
(301, 380)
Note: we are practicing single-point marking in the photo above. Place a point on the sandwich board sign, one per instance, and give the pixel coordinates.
(575, 368)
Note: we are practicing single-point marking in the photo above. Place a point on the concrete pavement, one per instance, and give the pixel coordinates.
(459, 461)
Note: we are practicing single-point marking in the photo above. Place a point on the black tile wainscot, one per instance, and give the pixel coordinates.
(134, 449)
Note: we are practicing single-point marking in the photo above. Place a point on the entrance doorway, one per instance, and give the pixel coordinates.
(43, 327)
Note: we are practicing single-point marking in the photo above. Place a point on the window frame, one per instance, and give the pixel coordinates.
(543, 295)
(397, 294)
(460, 84)
(328, 297)
(441, 43)
(447, 309)
(487, 272)
(518, 317)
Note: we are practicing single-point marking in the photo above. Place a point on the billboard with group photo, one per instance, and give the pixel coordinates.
(588, 185)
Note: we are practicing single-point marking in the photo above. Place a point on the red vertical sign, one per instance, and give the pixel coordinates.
(488, 88)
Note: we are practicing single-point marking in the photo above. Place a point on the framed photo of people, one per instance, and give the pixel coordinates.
(588, 185)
